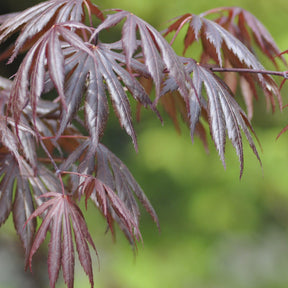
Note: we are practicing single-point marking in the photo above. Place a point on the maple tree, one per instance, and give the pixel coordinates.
(54, 111)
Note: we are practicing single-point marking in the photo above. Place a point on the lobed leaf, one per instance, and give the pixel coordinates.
(219, 44)
(94, 72)
(158, 55)
(112, 189)
(61, 213)
(31, 73)
(125, 183)
(246, 27)
(224, 113)
(18, 177)
(34, 21)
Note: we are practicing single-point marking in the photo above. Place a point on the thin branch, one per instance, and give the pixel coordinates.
(48, 154)
(283, 74)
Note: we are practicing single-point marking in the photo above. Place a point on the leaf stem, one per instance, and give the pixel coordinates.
(48, 153)
(57, 170)
(76, 173)
(66, 136)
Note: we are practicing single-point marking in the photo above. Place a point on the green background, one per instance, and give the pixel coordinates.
(216, 230)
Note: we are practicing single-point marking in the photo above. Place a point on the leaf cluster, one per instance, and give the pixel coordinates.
(55, 109)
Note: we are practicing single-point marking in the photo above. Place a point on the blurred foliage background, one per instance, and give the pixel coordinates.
(216, 230)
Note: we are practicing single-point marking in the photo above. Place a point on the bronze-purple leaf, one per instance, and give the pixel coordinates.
(34, 21)
(31, 73)
(224, 113)
(95, 72)
(60, 213)
(16, 176)
(113, 188)
(157, 53)
(246, 27)
(219, 44)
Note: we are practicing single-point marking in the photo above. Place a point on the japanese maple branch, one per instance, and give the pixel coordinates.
(283, 74)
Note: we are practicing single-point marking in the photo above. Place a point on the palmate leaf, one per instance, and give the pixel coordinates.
(246, 27)
(118, 203)
(62, 216)
(95, 72)
(26, 135)
(157, 53)
(224, 113)
(25, 142)
(46, 54)
(111, 207)
(113, 171)
(89, 69)
(219, 44)
(22, 206)
(36, 20)
(19, 177)
(8, 138)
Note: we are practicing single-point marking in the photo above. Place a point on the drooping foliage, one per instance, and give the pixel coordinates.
(48, 163)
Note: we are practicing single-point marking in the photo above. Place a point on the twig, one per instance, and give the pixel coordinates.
(283, 74)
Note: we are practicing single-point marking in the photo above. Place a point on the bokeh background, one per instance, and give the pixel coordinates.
(217, 231)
